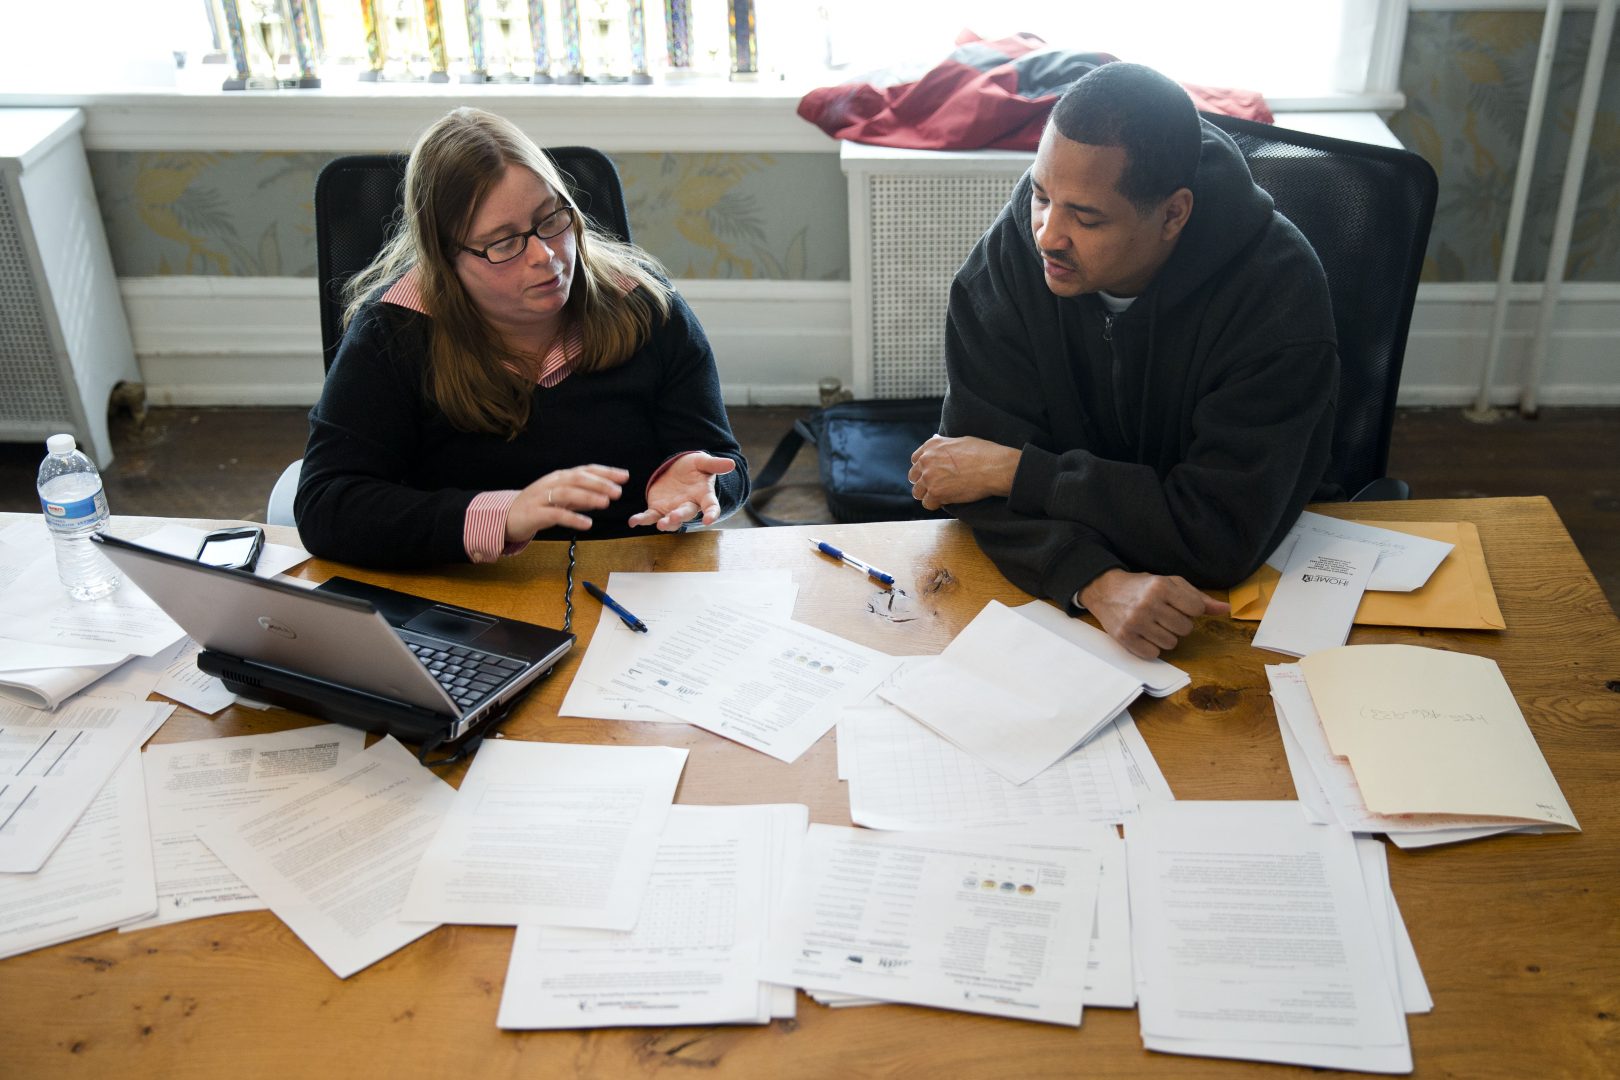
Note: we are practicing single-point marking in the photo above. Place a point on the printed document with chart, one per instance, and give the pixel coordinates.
(660, 599)
(968, 921)
(774, 685)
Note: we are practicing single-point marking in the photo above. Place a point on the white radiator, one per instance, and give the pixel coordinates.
(64, 341)
(913, 217)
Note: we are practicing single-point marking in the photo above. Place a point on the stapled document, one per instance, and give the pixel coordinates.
(1258, 941)
(952, 920)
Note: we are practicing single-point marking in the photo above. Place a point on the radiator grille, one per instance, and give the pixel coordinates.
(921, 227)
(30, 384)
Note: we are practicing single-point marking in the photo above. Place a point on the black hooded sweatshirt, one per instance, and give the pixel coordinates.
(1184, 437)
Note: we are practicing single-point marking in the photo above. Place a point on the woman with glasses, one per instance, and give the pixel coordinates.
(507, 371)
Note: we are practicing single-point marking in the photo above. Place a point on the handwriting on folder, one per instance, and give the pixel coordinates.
(1430, 731)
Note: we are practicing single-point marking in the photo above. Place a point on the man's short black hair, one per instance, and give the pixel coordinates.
(1145, 114)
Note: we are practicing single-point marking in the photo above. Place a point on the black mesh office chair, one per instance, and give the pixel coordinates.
(1367, 211)
(358, 203)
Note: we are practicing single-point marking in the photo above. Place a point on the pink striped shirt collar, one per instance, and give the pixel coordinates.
(559, 360)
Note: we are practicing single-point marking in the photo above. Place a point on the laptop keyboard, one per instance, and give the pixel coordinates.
(467, 675)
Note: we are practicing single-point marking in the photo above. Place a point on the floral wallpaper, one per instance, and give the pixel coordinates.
(244, 215)
(1466, 76)
(776, 216)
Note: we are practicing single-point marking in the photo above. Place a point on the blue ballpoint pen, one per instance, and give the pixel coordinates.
(867, 568)
(613, 605)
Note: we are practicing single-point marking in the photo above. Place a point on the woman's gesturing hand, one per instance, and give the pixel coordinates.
(683, 491)
(557, 498)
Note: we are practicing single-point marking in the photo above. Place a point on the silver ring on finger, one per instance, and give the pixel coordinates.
(550, 496)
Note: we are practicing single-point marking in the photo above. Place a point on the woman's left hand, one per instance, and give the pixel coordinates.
(685, 491)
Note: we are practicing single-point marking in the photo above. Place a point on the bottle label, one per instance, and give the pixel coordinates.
(73, 514)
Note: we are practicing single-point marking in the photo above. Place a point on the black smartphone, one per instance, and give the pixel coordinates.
(233, 549)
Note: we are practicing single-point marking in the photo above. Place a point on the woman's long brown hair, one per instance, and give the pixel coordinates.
(473, 376)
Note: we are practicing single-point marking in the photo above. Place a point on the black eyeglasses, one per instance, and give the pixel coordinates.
(510, 247)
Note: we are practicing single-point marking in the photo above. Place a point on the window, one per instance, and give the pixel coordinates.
(1283, 48)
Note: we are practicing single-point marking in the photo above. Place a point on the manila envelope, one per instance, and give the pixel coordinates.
(1457, 595)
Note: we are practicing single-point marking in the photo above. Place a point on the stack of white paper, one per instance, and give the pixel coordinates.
(696, 953)
(97, 878)
(1395, 944)
(52, 646)
(44, 676)
(553, 834)
(1013, 694)
(1256, 939)
(53, 764)
(951, 920)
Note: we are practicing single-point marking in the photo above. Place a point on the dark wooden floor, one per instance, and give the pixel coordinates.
(221, 463)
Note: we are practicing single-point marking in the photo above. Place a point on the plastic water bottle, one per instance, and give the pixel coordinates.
(75, 506)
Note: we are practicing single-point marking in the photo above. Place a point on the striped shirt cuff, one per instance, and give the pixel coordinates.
(483, 533)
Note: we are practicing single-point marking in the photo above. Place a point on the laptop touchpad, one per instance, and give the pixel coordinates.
(444, 623)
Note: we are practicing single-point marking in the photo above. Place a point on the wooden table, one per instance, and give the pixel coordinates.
(1519, 936)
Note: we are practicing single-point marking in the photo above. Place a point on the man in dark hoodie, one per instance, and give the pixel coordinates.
(1142, 367)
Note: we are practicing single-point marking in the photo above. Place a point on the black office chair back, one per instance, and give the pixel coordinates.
(359, 201)
(1367, 211)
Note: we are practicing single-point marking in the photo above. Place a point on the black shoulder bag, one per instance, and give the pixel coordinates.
(864, 451)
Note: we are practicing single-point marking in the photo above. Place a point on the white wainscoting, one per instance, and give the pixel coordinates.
(256, 341)
(1451, 324)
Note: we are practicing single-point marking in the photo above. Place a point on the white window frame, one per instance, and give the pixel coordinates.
(699, 117)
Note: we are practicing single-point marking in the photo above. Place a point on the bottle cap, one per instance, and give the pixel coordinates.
(61, 444)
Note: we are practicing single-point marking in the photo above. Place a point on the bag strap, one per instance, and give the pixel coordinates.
(769, 482)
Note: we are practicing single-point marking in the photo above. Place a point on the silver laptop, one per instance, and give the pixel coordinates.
(378, 659)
